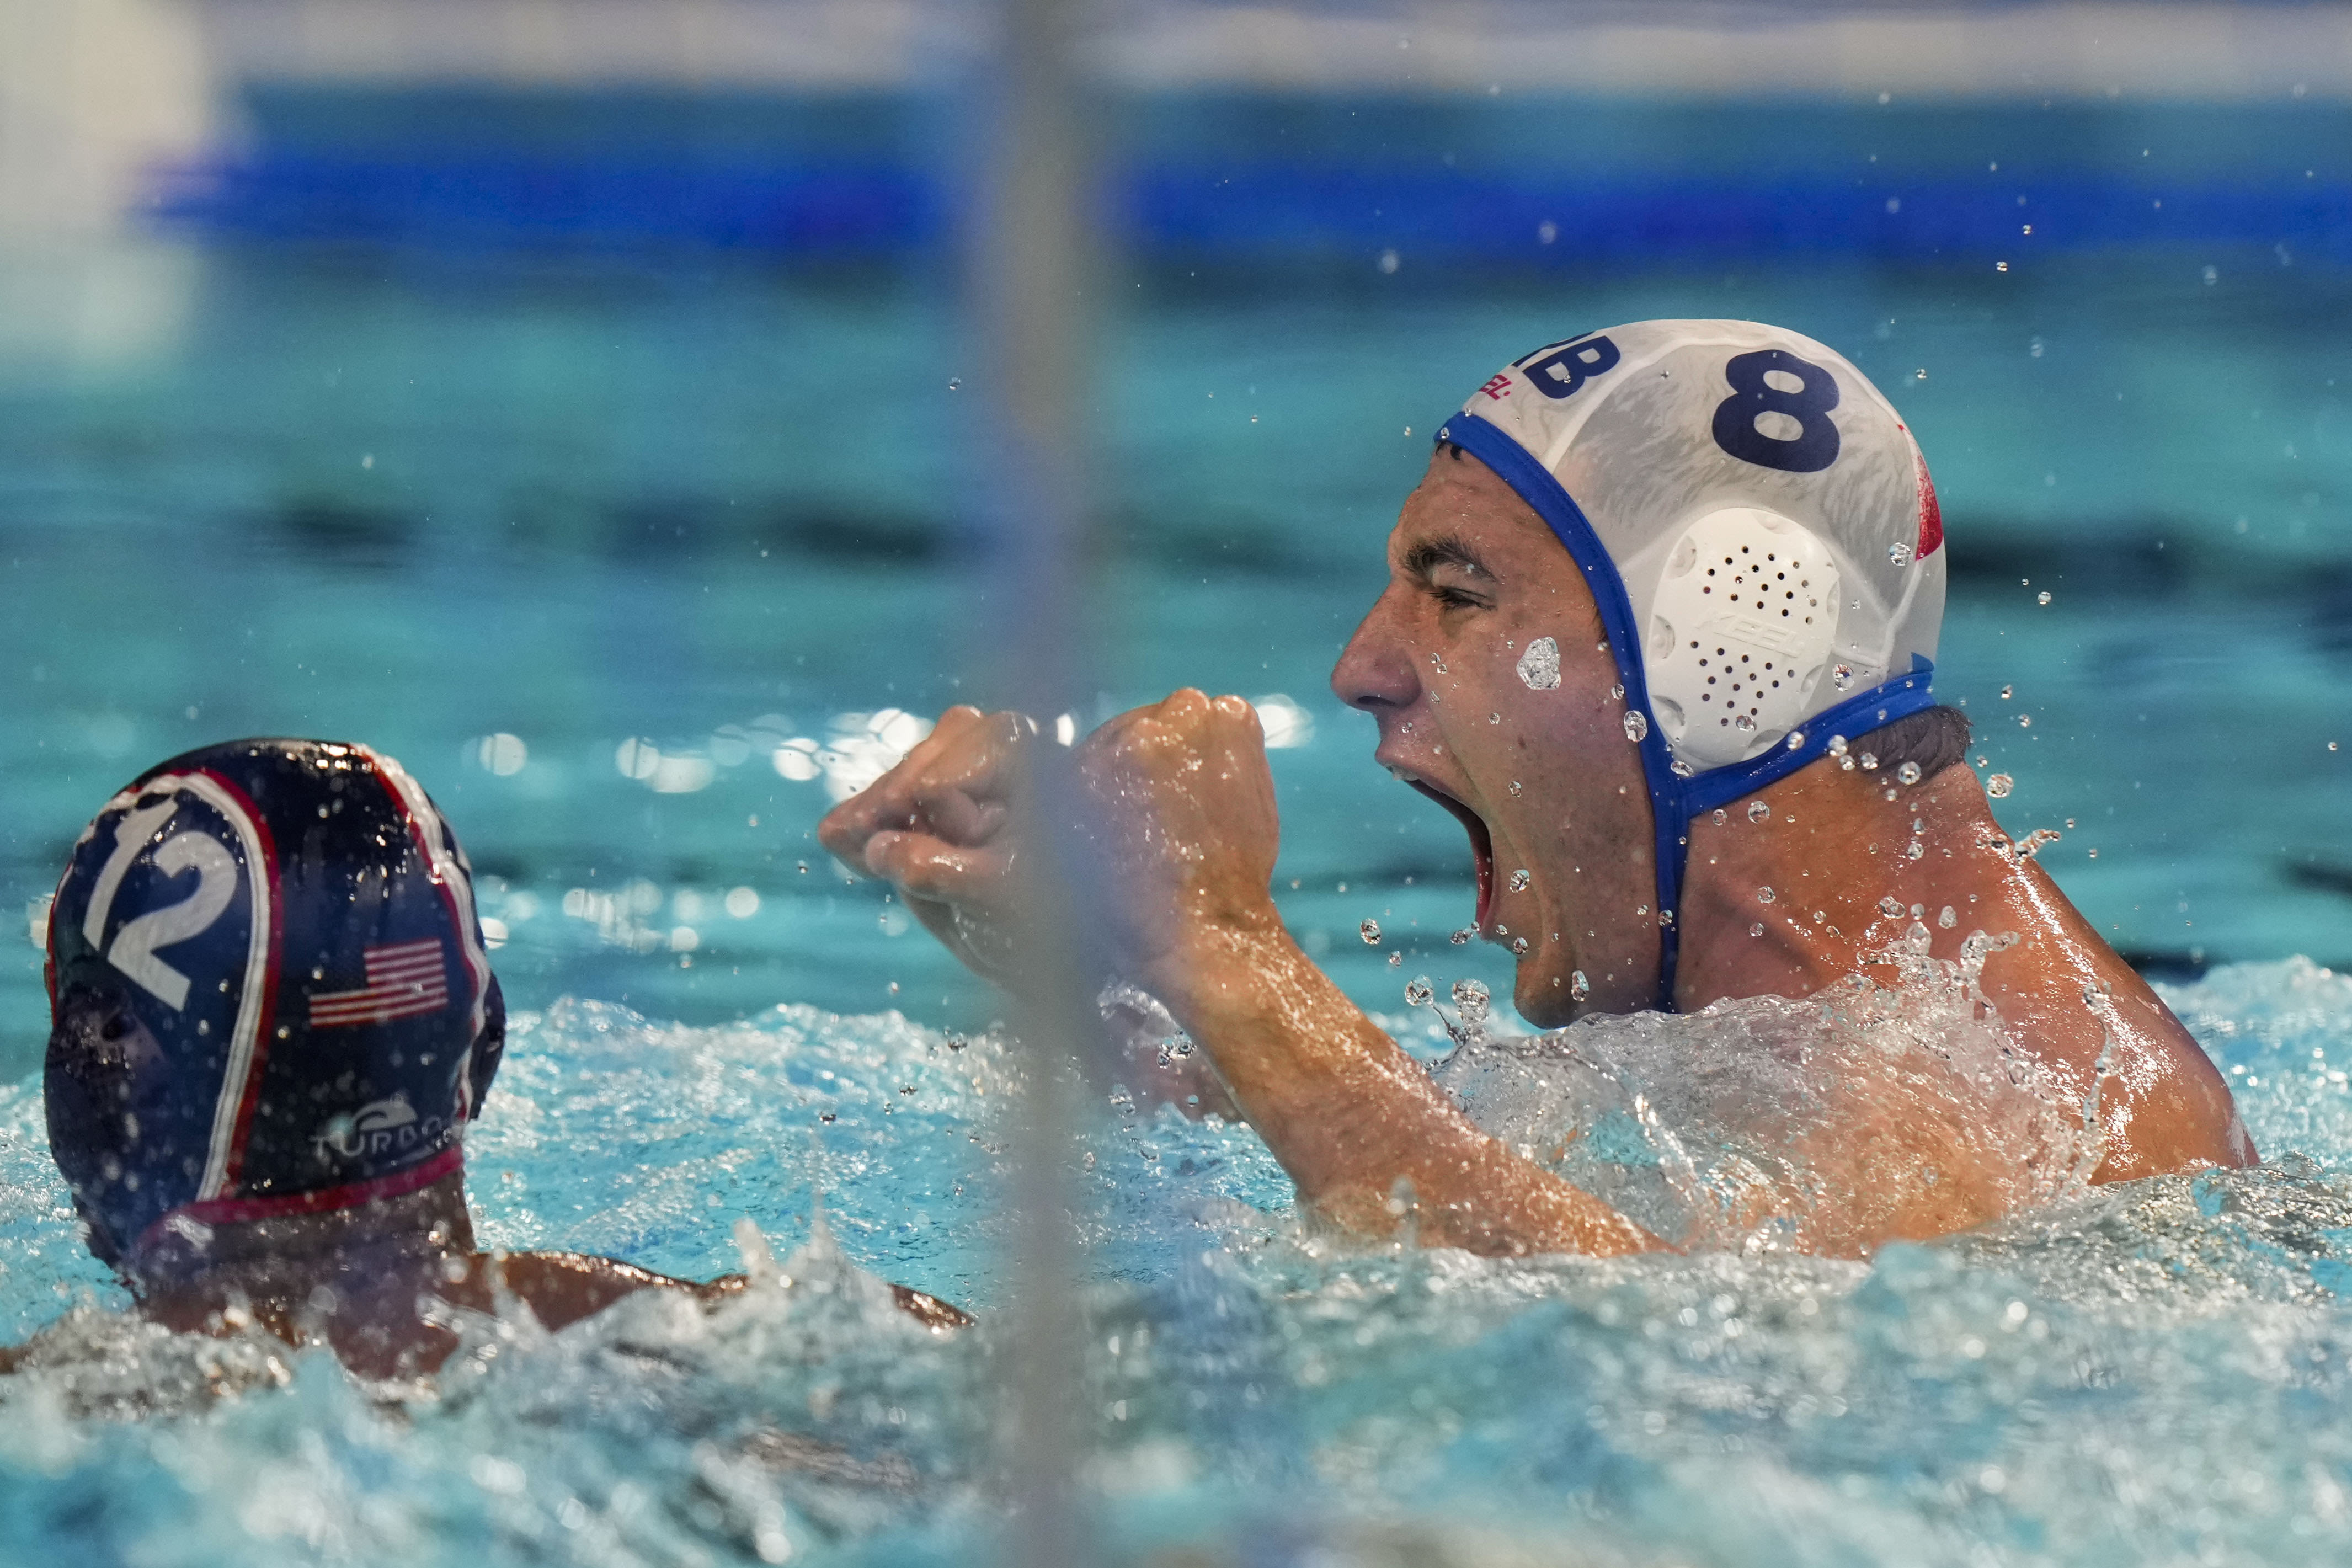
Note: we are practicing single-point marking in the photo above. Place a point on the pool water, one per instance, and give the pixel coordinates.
(608, 550)
(2159, 1372)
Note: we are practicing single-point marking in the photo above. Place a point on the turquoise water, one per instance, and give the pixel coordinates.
(585, 502)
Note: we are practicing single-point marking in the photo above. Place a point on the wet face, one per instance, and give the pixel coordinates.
(1542, 777)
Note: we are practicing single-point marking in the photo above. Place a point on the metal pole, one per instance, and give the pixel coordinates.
(1032, 297)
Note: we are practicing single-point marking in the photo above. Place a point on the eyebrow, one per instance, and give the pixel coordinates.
(1445, 550)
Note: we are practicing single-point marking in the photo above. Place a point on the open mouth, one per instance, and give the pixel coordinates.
(1482, 844)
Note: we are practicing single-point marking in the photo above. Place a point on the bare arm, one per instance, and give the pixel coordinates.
(1186, 822)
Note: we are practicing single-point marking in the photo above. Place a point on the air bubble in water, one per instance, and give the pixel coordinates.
(1999, 785)
(1578, 987)
(1418, 992)
(1758, 812)
(1908, 772)
(1539, 666)
(1765, 894)
(1637, 724)
(1899, 553)
(1470, 996)
(1370, 931)
(1947, 917)
(1519, 880)
(1463, 936)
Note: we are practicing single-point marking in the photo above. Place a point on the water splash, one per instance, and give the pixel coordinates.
(1539, 666)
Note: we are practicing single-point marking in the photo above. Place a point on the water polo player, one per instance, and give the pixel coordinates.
(1658, 631)
(272, 1020)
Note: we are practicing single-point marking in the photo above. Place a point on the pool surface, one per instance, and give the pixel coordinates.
(600, 544)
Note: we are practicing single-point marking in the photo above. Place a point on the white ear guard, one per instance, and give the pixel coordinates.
(1740, 626)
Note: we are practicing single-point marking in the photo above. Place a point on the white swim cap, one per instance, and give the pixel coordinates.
(1760, 536)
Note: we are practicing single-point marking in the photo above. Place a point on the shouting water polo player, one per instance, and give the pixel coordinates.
(272, 1019)
(1694, 568)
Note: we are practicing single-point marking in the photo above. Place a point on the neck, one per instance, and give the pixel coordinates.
(1832, 849)
(349, 1274)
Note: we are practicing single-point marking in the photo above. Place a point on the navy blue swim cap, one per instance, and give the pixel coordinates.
(267, 994)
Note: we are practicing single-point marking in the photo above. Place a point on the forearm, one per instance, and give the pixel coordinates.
(1351, 1116)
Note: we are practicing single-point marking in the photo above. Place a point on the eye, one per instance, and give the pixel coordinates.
(1456, 598)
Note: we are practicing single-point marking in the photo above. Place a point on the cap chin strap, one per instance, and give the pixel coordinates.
(1673, 800)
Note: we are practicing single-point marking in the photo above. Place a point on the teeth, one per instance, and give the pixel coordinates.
(1402, 776)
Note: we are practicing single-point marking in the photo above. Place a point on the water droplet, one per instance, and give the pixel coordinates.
(1796, 739)
(2044, 597)
(1843, 675)
(1463, 936)
(1721, 816)
(1758, 812)
(1899, 553)
(1396, 961)
(1764, 895)
(1519, 945)
(1578, 987)
(1494, 717)
(1637, 724)
(1516, 786)
(1914, 850)
(1370, 931)
(1470, 996)
(1502, 930)
(1947, 917)
(1908, 772)
(2025, 721)
(1680, 769)
(1756, 929)
(1891, 906)
(2005, 691)
(1617, 693)
(1869, 761)
(1744, 724)
(1419, 993)
(1837, 746)
(1519, 880)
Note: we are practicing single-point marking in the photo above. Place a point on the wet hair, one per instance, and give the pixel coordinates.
(268, 994)
(1935, 738)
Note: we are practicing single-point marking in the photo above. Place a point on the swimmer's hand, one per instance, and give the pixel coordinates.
(1177, 820)
(937, 828)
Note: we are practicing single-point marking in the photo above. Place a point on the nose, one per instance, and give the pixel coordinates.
(1376, 670)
